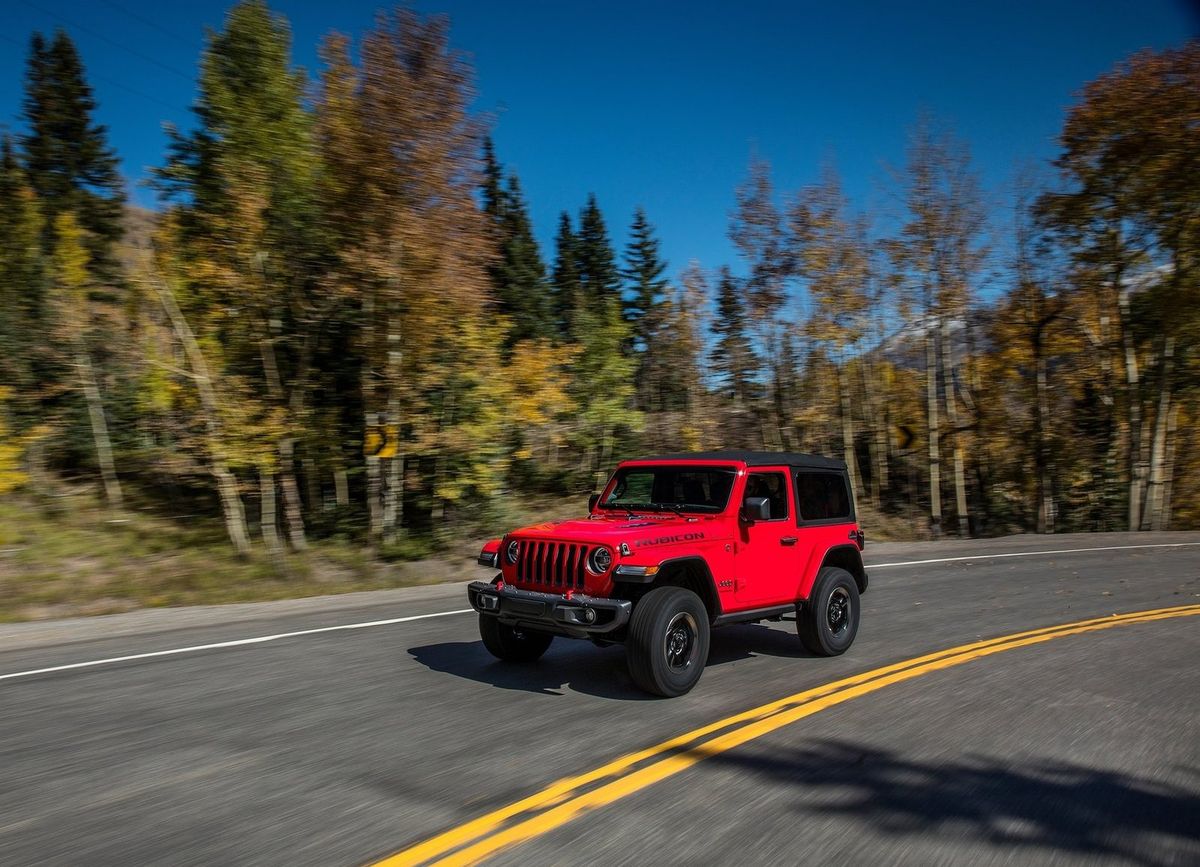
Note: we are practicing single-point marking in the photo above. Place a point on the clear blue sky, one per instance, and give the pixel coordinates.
(663, 103)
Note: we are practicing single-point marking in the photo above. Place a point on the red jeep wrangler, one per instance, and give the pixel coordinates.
(674, 546)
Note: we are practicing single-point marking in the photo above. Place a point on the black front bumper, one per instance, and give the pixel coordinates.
(550, 612)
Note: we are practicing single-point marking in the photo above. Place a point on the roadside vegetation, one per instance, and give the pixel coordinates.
(338, 347)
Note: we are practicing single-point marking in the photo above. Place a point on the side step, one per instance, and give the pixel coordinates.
(753, 615)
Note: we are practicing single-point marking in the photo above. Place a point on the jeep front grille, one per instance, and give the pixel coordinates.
(551, 564)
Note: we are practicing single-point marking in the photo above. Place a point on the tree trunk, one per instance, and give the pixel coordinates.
(227, 488)
(949, 376)
(293, 513)
(1152, 512)
(393, 495)
(374, 489)
(1135, 460)
(878, 439)
(1164, 512)
(393, 492)
(1045, 494)
(104, 456)
(848, 454)
(934, 430)
(341, 486)
(267, 517)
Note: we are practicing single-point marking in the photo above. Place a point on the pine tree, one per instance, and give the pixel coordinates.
(493, 183)
(599, 277)
(643, 270)
(22, 286)
(523, 289)
(518, 273)
(734, 360)
(67, 157)
(564, 281)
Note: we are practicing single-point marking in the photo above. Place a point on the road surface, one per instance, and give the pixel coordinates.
(258, 734)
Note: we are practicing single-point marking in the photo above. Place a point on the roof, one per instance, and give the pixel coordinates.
(756, 459)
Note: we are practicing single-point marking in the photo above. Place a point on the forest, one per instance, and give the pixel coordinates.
(339, 328)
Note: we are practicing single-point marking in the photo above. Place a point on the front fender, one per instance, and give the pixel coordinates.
(490, 554)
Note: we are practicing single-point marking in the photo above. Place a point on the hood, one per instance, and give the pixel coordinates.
(641, 531)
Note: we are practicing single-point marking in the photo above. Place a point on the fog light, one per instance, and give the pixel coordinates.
(589, 614)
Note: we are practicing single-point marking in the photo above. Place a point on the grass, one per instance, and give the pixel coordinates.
(69, 557)
(72, 557)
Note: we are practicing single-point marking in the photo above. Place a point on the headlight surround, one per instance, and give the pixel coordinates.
(600, 560)
(512, 551)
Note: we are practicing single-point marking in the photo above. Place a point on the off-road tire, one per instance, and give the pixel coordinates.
(667, 645)
(510, 643)
(828, 620)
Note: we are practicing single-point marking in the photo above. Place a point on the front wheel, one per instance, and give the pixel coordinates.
(668, 641)
(510, 643)
(828, 621)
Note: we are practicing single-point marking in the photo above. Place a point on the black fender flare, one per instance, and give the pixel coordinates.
(847, 557)
(696, 576)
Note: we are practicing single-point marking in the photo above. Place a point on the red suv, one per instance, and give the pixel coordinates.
(674, 546)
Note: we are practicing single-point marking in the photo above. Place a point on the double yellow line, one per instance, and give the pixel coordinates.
(569, 798)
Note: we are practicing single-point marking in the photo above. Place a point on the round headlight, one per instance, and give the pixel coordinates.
(599, 560)
(514, 548)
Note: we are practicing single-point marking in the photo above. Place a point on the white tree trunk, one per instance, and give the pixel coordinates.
(1164, 512)
(267, 517)
(95, 406)
(1152, 512)
(949, 378)
(933, 426)
(227, 488)
(1136, 461)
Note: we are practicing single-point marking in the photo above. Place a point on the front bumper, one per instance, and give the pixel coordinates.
(579, 617)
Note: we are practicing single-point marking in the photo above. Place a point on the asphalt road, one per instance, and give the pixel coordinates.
(344, 746)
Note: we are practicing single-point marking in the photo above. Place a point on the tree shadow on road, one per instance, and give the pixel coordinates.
(1048, 805)
(583, 667)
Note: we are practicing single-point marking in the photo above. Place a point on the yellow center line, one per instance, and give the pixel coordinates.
(563, 801)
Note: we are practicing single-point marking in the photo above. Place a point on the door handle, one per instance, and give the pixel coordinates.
(788, 540)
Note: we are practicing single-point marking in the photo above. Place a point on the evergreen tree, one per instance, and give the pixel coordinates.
(596, 262)
(22, 289)
(518, 274)
(523, 289)
(734, 360)
(493, 183)
(564, 281)
(646, 292)
(67, 157)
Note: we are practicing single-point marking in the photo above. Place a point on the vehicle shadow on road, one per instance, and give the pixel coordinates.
(1014, 806)
(581, 667)
(574, 665)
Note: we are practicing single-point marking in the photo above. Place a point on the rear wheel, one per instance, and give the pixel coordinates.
(668, 641)
(511, 643)
(828, 621)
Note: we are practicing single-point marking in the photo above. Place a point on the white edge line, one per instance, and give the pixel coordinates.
(262, 639)
(1031, 554)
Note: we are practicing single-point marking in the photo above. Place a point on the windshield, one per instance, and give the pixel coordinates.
(682, 489)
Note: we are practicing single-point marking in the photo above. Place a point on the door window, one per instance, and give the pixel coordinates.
(773, 486)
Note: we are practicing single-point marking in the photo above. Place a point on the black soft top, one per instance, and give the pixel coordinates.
(757, 459)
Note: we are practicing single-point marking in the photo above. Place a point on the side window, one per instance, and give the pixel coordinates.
(822, 496)
(773, 486)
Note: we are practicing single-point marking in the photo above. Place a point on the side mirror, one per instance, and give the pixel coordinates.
(592, 501)
(756, 509)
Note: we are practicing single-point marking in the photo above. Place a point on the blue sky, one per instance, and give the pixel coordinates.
(662, 104)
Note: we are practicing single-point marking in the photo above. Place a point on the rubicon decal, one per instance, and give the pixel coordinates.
(667, 540)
